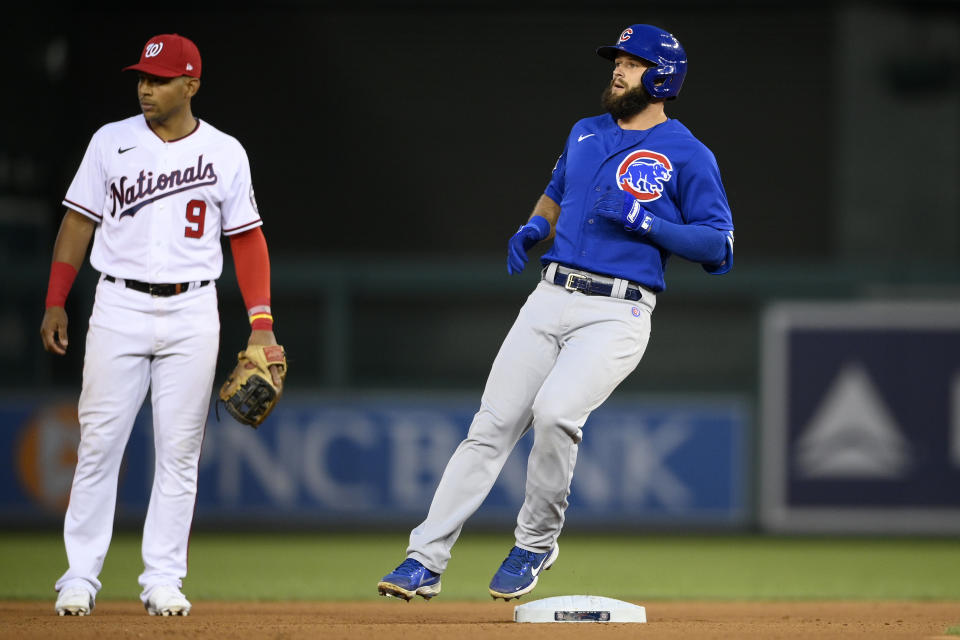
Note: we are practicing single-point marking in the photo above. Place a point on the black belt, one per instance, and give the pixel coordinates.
(162, 290)
(584, 282)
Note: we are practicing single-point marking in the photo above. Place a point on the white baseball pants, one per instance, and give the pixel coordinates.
(137, 342)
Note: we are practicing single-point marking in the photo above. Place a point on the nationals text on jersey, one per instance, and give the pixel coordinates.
(192, 177)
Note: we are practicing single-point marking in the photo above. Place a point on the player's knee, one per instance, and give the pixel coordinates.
(95, 447)
(549, 418)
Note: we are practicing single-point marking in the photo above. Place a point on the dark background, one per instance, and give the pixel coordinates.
(395, 147)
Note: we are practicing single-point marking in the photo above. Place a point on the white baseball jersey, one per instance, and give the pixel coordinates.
(161, 206)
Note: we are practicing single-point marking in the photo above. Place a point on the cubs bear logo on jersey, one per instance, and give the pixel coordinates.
(644, 174)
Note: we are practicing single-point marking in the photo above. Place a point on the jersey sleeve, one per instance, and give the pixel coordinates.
(239, 211)
(704, 202)
(703, 199)
(88, 191)
(557, 182)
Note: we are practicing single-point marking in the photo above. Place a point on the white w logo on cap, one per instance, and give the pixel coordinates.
(153, 50)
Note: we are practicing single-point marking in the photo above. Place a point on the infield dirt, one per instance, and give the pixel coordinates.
(396, 620)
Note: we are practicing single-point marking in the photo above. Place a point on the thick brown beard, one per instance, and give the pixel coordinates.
(627, 105)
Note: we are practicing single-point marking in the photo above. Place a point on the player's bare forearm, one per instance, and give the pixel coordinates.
(549, 210)
(262, 338)
(70, 248)
(74, 236)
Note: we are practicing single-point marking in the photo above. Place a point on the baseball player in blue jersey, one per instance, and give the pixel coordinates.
(631, 188)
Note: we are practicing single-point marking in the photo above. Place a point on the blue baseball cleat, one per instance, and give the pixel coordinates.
(410, 579)
(520, 571)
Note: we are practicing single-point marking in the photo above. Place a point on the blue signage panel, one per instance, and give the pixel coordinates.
(377, 459)
(860, 417)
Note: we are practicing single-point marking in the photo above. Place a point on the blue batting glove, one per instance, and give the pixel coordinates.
(620, 206)
(526, 236)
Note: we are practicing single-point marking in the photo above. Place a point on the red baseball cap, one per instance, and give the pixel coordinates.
(169, 56)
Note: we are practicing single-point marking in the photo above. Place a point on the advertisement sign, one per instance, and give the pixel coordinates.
(861, 418)
(376, 459)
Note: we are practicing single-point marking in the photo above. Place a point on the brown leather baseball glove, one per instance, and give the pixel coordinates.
(249, 394)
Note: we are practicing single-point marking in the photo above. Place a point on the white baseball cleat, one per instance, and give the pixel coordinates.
(166, 600)
(74, 601)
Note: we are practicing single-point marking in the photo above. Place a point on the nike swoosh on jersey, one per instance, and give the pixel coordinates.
(582, 138)
(119, 150)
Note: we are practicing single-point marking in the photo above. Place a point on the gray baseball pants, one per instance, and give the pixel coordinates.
(563, 357)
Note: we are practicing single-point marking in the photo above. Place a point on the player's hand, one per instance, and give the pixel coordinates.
(266, 339)
(53, 330)
(526, 236)
(620, 206)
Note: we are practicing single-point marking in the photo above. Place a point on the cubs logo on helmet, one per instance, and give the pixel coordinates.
(644, 174)
(658, 47)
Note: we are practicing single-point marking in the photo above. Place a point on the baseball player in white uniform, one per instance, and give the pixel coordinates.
(154, 191)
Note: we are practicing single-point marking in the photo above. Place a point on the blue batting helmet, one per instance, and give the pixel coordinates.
(657, 47)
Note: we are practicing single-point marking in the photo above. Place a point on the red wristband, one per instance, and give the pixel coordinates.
(260, 318)
(262, 324)
(62, 275)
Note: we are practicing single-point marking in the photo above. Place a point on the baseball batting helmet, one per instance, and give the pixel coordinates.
(660, 49)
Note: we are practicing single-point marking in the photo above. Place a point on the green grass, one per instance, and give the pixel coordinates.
(306, 566)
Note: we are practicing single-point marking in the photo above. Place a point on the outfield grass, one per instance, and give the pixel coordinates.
(347, 566)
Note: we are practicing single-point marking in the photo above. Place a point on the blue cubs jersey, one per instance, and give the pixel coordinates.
(673, 174)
